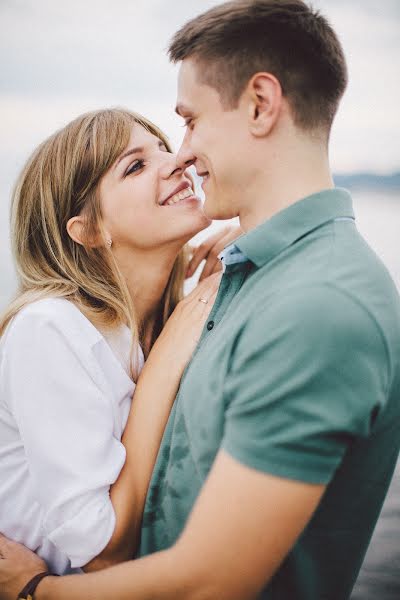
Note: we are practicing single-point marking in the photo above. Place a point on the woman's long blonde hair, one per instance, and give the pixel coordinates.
(60, 180)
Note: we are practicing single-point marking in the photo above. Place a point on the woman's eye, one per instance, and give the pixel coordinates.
(136, 166)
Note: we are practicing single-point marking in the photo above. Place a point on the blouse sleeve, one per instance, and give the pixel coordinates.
(67, 428)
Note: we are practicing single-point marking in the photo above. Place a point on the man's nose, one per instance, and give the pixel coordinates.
(185, 157)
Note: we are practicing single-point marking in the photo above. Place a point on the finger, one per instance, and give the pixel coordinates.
(218, 268)
(213, 297)
(207, 250)
(206, 307)
(206, 290)
(211, 301)
(199, 254)
(202, 251)
(210, 267)
(201, 307)
(194, 294)
(202, 288)
(212, 282)
(213, 257)
(208, 285)
(189, 252)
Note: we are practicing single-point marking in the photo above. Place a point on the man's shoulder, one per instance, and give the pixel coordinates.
(344, 284)
(319, 321)
(310, 303)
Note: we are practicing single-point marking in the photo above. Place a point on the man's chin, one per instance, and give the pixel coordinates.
(216, 210)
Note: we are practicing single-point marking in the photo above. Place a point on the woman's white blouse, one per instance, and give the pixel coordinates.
(64, 401)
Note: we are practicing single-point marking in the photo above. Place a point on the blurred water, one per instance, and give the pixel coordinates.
(377, 214)
(379, 578)
(378, 219)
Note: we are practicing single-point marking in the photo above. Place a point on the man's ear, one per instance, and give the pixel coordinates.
(264, 93)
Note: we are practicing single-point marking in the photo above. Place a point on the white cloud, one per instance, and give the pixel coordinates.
(58, 59)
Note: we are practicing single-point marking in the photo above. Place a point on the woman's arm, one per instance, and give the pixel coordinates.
(153, 398)
(52, 384)
(210, 249)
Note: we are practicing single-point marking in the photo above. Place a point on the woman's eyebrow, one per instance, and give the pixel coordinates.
(138, 150)
(128, 153)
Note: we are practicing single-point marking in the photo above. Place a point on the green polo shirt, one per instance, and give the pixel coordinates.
(297, 374)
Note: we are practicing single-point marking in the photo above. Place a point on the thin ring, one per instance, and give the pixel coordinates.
(204, 300)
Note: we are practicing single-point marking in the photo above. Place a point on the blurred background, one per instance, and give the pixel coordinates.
(59, 59)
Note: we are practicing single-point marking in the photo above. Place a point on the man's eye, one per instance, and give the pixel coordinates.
(136, 166)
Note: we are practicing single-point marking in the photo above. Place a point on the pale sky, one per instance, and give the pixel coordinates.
(59, 59)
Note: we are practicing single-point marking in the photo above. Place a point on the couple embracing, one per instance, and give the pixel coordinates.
(265, 422)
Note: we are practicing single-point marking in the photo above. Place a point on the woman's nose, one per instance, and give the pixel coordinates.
(169, 165)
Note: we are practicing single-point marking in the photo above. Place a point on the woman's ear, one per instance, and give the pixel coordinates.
(76, 230)
(265, 100)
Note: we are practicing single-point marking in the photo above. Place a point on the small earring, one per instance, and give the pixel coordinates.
(108, 242)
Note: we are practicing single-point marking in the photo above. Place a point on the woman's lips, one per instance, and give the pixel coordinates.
(186, 194)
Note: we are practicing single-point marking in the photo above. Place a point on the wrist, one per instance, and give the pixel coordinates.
(167, 364)
(29, 590)
(45, 588)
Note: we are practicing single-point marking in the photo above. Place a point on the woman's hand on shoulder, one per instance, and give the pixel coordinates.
(182, 331)
(210, 249)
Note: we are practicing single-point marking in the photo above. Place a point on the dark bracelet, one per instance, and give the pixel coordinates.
(30, 588)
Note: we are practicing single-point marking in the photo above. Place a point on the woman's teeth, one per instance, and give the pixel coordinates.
(180, 196)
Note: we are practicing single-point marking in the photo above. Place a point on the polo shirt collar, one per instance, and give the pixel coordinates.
(264, 242)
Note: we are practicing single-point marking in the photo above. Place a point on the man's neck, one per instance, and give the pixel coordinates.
(293, 172)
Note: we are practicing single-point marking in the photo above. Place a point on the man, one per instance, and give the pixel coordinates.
(286, 428)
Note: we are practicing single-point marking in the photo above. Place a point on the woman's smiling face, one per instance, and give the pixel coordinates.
(146, 200)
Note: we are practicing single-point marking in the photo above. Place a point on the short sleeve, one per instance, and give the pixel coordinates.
(66, 425)
(308, 375)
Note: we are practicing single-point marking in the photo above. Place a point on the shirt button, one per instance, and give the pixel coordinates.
(210, 325)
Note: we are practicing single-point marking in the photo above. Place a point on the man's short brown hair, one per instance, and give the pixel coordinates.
(237, 39)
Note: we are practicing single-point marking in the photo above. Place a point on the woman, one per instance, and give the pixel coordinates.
(101, 214)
